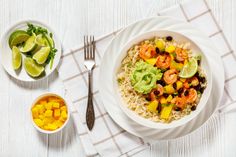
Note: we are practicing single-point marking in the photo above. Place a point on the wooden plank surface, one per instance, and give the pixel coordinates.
(71, 19)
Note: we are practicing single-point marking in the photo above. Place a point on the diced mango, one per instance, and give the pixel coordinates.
(169, 89)
(179, 85)
(48, 113)
(55, 105)
(63, 108)
(152, 106)
(48, 106)
(64, 114)
(57, 113)
(163, 100)
(160, 45)
(35, 112)
(182, 79)
(52, 127)
(151, 61)
(58, 123)
(170, 48)
(175, 65)
(166, 111)
(38, 122)
(169, 98)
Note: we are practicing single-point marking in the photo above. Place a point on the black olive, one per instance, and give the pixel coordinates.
(197, 75)
(156, 92)
(174, 85)
(193, 108)
(186, 93)
(165, 95)
(177, 109)
(157, 50)
(169, 38)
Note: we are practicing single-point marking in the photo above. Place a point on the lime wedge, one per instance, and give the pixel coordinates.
(29, 44)
(41, 56)
(16, 58)
(44, 41)
(17, 37)
(189, 69)
(32, 68)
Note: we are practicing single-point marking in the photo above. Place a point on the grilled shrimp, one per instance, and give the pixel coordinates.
(163, 61)
(181, 54)
(170, 76)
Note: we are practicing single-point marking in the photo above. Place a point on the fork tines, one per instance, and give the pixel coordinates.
(89, 47)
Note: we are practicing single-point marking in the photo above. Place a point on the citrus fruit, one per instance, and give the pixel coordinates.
(32, 68)
(189, 69)
(41, 56)
(16, 58)
(29, 44)
(17, 37)
(43, 40)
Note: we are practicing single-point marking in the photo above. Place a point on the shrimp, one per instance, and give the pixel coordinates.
(170, 76)
(160, 89)
(194, 81)
(147, 51)
(179, 102)
(192, 95)
(163, 61)
(181, 54)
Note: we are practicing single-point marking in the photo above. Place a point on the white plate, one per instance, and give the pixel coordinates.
(6, 53)
(110, 57)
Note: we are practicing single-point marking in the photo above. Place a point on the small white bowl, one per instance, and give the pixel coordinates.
(204, 64)
(48, 131)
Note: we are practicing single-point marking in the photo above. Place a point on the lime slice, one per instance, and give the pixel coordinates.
(29, 44)
(32, 68)
(189, 69)
(41, 56)
(17, 37)
(43, 41)
(16, 58)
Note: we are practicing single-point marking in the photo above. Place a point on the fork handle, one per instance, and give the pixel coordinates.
(90, 117)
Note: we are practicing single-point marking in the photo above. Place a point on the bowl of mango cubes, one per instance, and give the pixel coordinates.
(49, 113)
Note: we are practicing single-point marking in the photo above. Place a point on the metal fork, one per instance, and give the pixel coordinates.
(89, 63)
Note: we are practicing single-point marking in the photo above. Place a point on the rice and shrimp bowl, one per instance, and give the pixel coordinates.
(161, 79)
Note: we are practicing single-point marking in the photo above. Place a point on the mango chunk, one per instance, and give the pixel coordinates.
(52, 127)
(48, 106)
(166, 111)
(35, 112)
(151, 61)
(170, 49)
(152, 106)
(58, 123)
(57, 113)
(38, 122)
(48, 113)
(64, 114)
(63, 108)
(55, 105)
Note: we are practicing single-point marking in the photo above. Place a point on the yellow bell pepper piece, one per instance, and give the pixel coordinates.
(166, 111)
(152, 106)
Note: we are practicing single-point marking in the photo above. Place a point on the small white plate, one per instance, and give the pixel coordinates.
(107, 92)
(6, 53)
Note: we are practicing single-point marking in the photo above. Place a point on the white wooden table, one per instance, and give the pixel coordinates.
(71, 19)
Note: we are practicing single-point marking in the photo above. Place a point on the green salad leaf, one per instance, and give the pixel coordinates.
(144, 77)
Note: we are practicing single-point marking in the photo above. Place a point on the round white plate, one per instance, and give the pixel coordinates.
(110, 57)
(6, 53)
